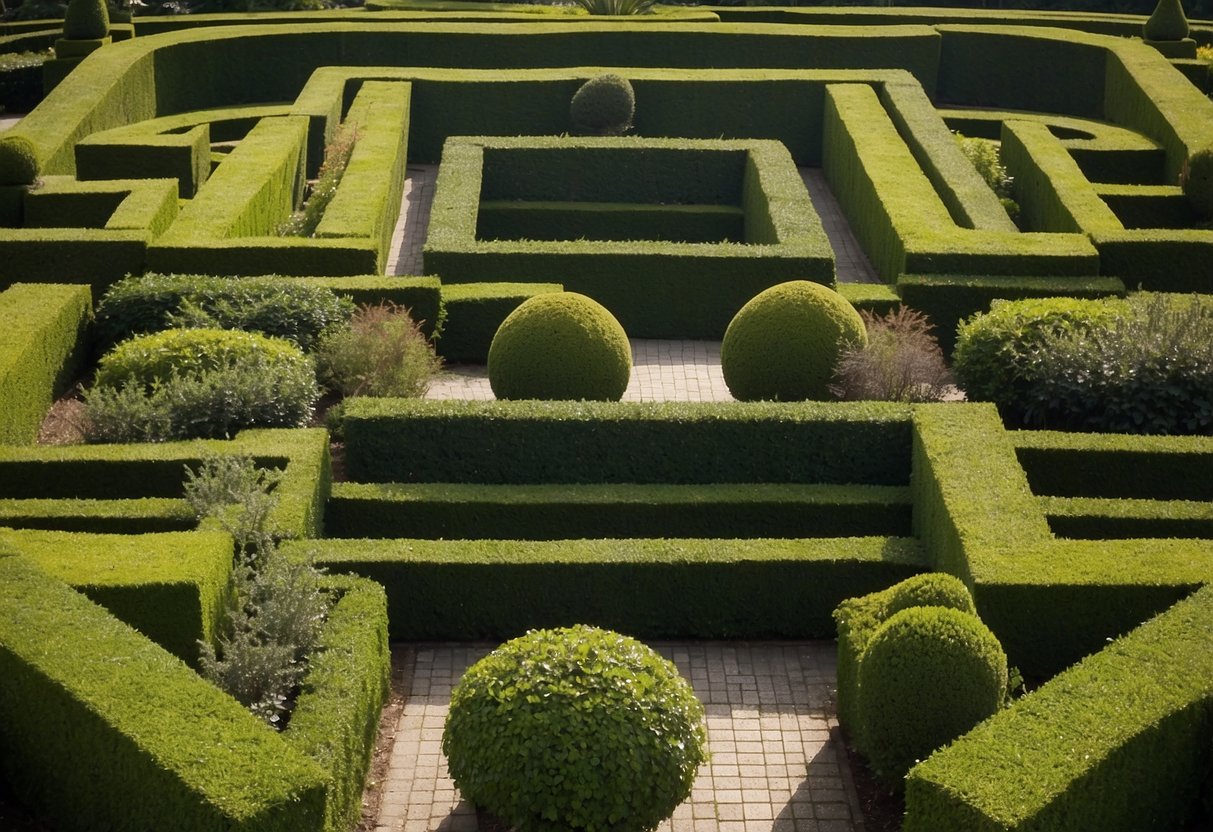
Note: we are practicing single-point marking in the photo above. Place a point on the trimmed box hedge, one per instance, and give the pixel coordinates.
(1101, 519)
(474, 311)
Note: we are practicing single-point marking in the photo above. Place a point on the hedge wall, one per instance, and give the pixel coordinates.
(499, 589)
(42, 331)
(1100, 519)
(424, 297)
(133, 516)
(474, 311)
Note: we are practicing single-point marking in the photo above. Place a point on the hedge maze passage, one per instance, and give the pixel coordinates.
(185, 148)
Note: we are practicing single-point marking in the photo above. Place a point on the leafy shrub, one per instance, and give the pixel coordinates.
(605, 104)
(86, 20)
(1166, 22)
(987, 159)
(147, 359)
(336, 157)
(381, 353)
(21, 79)
(561, 345)
(269, 305)
(1196, 179)
(998, 353)
(19, 163)
(577, 728)
(785, 343)
(1149, 371)
(39, 11)
(617, 7)
(928, 675)
(902, 361)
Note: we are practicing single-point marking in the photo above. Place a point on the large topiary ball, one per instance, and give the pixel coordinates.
(928, 675)
(1167, 22)
(784, 343)
(577, 728)
(1197, 182)
(18, 161)
(147, 359)
(604, 106)
(560, 346)
(86, 20)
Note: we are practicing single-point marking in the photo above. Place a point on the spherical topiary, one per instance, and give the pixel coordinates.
(784, 343)
(577, 728)
(1167, 22)
(1197, 182)
(560, 346)
(18, 161)
(928, 675)
(932, 589)
(604, 106)
(86, 20)
(146, 359)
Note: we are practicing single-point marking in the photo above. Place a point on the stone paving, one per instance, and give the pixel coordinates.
(404, 254)
(777, 762)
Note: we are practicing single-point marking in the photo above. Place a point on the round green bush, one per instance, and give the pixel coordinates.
(86, 20)
(928, 675)
(785, 343)
(1197, 182)
(576, 728)
(188, 353)
(603, 106)
(932, 589)
(1167, 22)
(560, 346)
(18, 161)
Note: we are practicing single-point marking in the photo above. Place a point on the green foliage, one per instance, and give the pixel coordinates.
(1167, 22)
(928, 675)
(997, 353)
(336, 156)
(1196, 179)
(605, 104)
(19, 164)
(617, 7)
(984, 154)
(1149, 371)
(560, 346)
(189, 353)
(901, 362)
(381, 353)
(290, 309)
(474, 312)
(86, 20)
(21, 79)
(577, 728)
(785, 343)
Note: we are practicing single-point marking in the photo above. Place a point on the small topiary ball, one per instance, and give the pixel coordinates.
(604, 106)
(18, 161)
(1197, 181)
(147, 359)
(928, 675)
(86, 20)
(577, 728)
(784, 343)
(560, 345)
(931, 589)
(1167, 22)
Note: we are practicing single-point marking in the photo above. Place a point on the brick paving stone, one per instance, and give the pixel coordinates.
(791, 781)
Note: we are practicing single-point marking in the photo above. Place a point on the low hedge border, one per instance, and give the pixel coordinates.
(1119, 742)
(1096, 518)
(403, 440)
(137, 516)
(474, 312)
(550, 512)
(143, 204)
(42, 342)
(422, 296)
(499, 589)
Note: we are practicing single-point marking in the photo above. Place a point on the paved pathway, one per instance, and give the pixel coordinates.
(851, 265)
(404, 255)
(777, 764)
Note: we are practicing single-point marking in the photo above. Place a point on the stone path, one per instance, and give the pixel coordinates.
(851, 265)
(777, 762)
(404, 255)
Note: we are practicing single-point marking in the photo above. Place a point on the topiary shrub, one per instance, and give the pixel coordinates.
(86, 20)
(928, 675)
(561, 345)
(784, 344)
(148, 359)
(1197, 182)
(1167, 22)
(576, 728)
(603, 106)
(18, 161)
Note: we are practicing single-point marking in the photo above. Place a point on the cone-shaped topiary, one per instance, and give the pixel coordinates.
(560, 346)
(1168, 22)
(603, 106)
(1197, 182)
(18, 161)
(928, 675)
(578, 728)
(86, 20)
(784, 343)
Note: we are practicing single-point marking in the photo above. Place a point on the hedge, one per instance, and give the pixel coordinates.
(1119, 742)
(403, 440)
(1101, 519)
(499, 589)
(474, 311)
(170, 587)
(134, 516)
(550, 512)
(81, 686)
(566, 221)
(42, 332)
(1148, 206)
(145, 204)
(422, 296)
